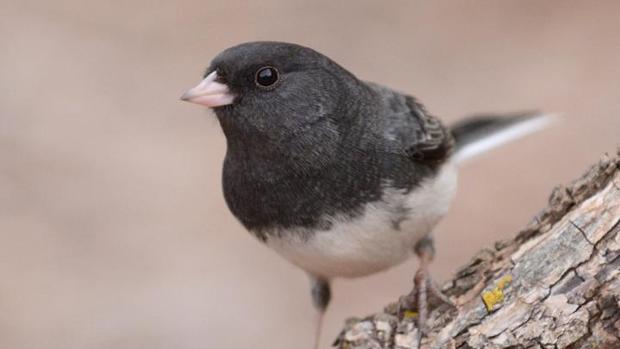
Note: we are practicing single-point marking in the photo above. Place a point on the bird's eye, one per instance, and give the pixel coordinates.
(266, 76)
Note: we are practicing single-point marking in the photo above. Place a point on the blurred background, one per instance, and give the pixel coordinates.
(113, 229)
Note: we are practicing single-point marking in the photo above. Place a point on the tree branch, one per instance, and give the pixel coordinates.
(555, 285)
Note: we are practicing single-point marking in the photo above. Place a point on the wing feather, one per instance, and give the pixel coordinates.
(433, 142)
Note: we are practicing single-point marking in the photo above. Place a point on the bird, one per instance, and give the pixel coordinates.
(342, 177)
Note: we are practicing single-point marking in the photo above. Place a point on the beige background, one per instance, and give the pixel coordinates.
(113, 229)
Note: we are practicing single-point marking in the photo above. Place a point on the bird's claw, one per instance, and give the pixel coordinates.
(416, 305)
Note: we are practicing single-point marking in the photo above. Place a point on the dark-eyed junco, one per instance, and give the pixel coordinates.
(342, 177)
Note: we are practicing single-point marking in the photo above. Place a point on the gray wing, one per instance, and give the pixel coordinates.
(419, 134)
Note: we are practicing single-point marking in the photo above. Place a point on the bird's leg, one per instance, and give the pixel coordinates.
(423, 284)
(425, 251)
(321, 295)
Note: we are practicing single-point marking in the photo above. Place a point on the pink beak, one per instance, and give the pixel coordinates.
(209, 93)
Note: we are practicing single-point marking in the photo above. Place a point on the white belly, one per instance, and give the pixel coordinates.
(374, 240)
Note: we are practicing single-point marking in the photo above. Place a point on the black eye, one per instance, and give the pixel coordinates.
(266, 76)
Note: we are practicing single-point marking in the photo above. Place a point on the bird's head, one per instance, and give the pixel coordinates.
(274, 91)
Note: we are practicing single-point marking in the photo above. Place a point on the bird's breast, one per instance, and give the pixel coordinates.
(264, 194)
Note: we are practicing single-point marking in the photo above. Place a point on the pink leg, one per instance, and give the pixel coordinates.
(423, 284)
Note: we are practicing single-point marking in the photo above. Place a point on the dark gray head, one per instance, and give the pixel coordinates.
(273, 94)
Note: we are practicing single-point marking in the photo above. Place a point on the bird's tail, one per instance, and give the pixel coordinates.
(479, 134)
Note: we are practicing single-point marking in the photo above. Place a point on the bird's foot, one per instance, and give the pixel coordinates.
(417, 304)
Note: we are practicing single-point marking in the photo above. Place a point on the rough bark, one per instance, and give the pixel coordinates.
(555, 285)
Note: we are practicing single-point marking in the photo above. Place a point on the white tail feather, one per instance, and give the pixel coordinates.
(503, 136)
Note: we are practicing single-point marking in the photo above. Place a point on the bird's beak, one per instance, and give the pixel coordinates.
(209, 93)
